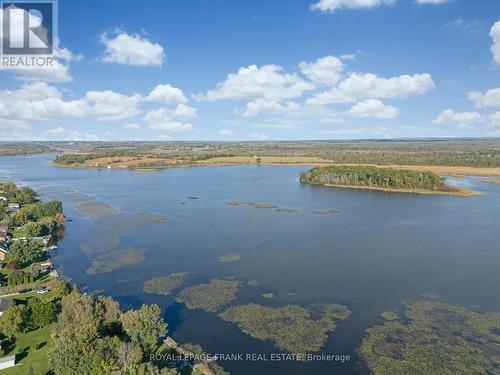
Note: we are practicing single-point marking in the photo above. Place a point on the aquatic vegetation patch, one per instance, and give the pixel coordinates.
(252, 204)
(209, 297)
(164, 285)
(326, 212)
(229, 258)
(291, 328)
(286, 210)
(94, 209)
(105, 248)
(491, 180)
(117, 259)
(437, 338)
(390, 315)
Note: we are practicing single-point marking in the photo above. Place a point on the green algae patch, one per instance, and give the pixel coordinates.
(437, 338)
(229, 258)
(116, 260)
(164, 285)
(209, 297)
(291, 328)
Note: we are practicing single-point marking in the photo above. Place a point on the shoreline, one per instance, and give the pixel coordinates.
(439, 169)
(459, 193)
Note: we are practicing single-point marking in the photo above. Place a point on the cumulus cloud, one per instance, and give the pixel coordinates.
(489, 99)
(122, 48)
(258, 106)
(360, 86)
(494, 119)
(324, 71)
(327, 6)
(373, 108)
(266, 88)
(37, 102)
(58, 72)
(167, 94)
(171, 119)
(461, 119)
(266, 82)
(495, 48)
(111, 106)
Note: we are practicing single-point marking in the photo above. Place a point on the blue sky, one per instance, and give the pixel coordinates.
(262, 70)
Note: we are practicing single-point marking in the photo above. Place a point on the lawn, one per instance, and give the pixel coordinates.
(26, 345)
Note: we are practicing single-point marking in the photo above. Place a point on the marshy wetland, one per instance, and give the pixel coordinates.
(377, 276)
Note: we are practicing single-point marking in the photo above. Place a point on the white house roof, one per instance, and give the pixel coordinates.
(8, 359)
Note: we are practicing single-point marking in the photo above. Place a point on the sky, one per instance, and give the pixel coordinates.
(261, 70)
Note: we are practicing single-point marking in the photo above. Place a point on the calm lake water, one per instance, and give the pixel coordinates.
(380, 250)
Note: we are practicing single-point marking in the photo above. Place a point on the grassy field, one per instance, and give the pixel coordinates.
(32, 348)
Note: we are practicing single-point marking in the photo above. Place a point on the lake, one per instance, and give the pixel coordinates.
(379, 249)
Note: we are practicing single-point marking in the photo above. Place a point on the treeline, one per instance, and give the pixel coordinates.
(473, 153)
(387, 178)
(23, 195)
(11, 149)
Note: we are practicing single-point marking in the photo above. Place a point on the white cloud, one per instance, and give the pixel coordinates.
(373, 108)
(360, 86)
(495, 48)
(167, 94)
(489, 99)
(266, 82)
(258, 106)
(37, 102)
(62, 134)
(226, 132)
(122, 48)
(259, 137)
(431, 2)
(168, 119)
(461, 119)
(132, 126)
(111, 106)
(326, 6)
(494, 119)
(460, 23)
(324, 71)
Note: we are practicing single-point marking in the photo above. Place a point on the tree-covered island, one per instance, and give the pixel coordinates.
(385, 179)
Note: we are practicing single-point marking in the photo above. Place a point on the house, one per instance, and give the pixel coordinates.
(4, 305)
(41, 267)
(3, 234)
(13, 207)
(44, 240)
(3, 252)
(4, 201)
(7, 362)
